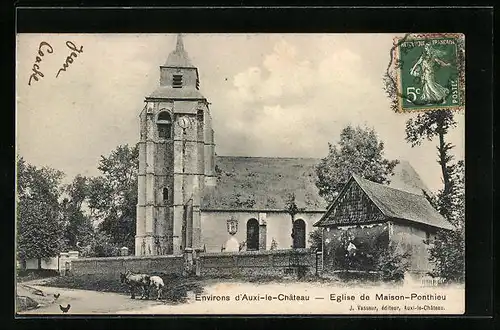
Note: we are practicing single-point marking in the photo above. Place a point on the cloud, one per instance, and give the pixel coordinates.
(272, 95)
(281, 73)
(297, 102)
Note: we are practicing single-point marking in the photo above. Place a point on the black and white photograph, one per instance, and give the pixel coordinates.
(240, 173)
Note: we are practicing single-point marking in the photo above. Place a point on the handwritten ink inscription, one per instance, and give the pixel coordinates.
(38, 59)
(69, 59)
(44, 48)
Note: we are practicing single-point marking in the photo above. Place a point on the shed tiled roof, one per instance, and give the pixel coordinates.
(396, 204)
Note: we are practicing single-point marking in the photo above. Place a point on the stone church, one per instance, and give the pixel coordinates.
(189, 197)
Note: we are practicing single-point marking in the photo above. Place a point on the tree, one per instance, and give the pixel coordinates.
(447, 252)
(78, 226)
(113, 195)
(359, 151)
(427, 126)
(39, 222)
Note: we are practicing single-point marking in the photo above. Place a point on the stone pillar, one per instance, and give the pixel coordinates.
(262, 237)
(262, 231)
(189, 259)
(140, 226)
(197, 229)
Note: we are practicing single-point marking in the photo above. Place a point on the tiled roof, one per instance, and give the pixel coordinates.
(396, 204)
(263, 183)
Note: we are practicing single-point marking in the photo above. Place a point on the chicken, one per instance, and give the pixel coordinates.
(56, 295)
(65, 309)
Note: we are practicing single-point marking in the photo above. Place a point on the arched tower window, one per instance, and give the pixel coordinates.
(164, 124)
(299, 234)
(165, 195)
(252, 235)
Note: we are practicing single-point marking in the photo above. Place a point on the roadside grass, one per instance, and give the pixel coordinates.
(34, 274)
(175, 291)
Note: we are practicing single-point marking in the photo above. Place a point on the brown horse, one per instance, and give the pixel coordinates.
(134, 281)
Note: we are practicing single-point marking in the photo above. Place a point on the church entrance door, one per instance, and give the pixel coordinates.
(299, 237)
(252, 235)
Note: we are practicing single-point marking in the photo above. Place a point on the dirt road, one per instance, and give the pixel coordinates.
(82, 301)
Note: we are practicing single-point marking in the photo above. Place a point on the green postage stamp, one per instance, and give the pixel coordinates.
(427, 71)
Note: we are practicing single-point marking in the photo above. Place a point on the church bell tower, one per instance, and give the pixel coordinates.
(176, 160)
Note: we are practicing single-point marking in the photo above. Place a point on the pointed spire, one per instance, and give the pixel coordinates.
(179, 57)
(180, 44)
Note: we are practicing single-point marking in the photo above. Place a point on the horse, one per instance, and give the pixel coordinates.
(157, 283)
(136, 281)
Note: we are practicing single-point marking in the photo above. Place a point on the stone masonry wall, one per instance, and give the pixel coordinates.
(248, 263)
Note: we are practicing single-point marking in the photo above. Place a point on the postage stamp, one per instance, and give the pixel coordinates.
(428, 71)
(228, 174)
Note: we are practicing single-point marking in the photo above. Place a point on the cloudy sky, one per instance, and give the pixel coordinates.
(277, 95)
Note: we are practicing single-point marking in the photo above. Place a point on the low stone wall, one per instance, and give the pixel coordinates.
(245, 263)
(115, 265)
(255, 263)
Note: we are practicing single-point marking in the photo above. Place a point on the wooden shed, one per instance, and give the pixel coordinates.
(367, 215)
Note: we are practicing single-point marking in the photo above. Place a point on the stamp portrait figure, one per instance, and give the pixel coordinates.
(425, 69)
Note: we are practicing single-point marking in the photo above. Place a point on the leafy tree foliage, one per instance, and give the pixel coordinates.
(359, 151)
(315, 239)
(78, 226)
(113, 195)
(392, 263)
(39, 221)
(427, 126)
(447, 252)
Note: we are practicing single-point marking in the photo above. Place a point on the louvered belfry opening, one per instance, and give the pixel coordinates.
(177, 81)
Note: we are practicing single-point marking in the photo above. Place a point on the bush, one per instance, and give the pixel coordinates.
(274, 244)
(100, 246)
(24, 275)
(448, 255)
(315, 239)
(392, 263)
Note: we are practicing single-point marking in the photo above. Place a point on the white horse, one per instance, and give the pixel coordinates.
(157, 283)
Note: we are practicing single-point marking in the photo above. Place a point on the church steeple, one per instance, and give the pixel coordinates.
(179, 57)
(180, 44)
(179, 75)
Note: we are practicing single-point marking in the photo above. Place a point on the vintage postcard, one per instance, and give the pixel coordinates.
(230, 174)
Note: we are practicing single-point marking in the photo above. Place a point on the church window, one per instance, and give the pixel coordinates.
(164, 124)
(165, 195)
(177, 81)
(252, 235)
